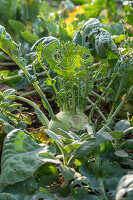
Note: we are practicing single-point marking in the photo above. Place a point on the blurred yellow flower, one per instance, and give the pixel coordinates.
(79, 10)
(72, 15)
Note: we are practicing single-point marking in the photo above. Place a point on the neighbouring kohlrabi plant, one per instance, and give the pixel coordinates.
(96, 39)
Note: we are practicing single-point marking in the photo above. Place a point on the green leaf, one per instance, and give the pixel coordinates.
(22, 188)
(48, 82)
(106, 135)
(82, 193)
(19, 157)
(122, 125)
(47, 158)
(8, 10)
(86, 149)
(104, 44)
(73, 146)
(118, 38)
(47, 174)
(6, 196)
(22, 125)
(4, 105)
(67, 172)
(1, 96)
(17, 26)
(121, 153)
(41, 117)
(41, 194)
(63, 33)
(49, 179)
(9, 92)
(116, 134)
(13, 107)
(6, 43)
(130, 141)
(29, 9)
(29, 37)
(27, 120)
(107, 172)
(55, 137)
(48, 51)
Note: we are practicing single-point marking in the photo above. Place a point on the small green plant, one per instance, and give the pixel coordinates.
(8, 106)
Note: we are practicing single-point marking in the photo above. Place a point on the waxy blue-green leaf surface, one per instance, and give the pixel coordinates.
(20, 157)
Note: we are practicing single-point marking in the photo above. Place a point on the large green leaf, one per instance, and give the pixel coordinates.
(19, 157)
(31, 38)
(29, 9)
(108, 173)
(26, 187)
(41, 194)
(6, 43)
(8, 10)
(17, 26)
(7, 196)
(86, 149)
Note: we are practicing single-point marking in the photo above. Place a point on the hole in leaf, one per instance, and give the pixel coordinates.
(86, 38)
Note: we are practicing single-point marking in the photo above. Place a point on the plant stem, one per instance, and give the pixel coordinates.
(4, 79)
(117, 95)
(44, 100)
(96, 95)
(78, 98)
(72, 88)
(29, 93)
(70, 159)
(120, 86)
(53, 84)
(99, 98)
(85, 90)
(111, 112)
(117, 109)
(102, 189)
(36, 86)
(98, 109)
(94, 65)
(116, 144)
(64, 154)
(6, 63)
(37, 110)
(73, 98)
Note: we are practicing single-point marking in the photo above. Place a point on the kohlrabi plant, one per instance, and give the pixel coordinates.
(71, 84)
